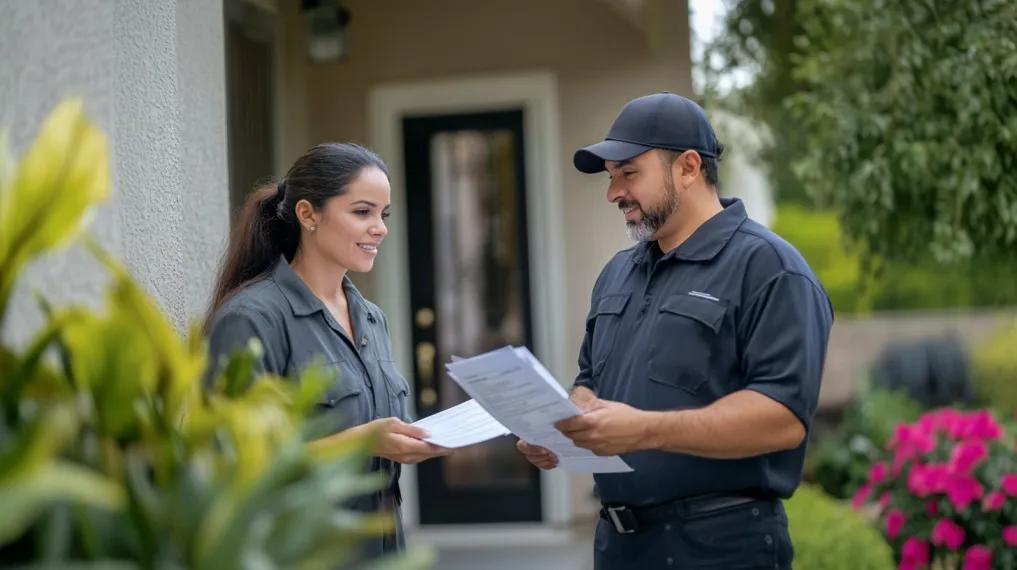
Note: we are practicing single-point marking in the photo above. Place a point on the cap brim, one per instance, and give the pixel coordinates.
(591, 159)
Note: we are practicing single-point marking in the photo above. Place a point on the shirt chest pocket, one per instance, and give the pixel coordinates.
(397, 389)
(603, 325)
(341, 402)
(688, 330)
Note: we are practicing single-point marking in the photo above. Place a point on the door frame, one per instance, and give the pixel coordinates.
(536, 93)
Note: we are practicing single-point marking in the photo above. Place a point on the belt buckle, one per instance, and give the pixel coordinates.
(616, 519)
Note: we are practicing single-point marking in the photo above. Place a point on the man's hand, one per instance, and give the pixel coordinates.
(608, 428)
(539, 456)
(583, 397)
(400, 441)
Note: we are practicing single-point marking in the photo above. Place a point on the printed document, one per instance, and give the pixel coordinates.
(462, 425)
(516, 389)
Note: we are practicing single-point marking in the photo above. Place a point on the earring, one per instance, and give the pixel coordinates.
(313, 229)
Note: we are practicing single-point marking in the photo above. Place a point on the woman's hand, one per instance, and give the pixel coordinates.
(539, 456)
(400, 441)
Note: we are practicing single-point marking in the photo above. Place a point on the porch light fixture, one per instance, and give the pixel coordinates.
(327, 22)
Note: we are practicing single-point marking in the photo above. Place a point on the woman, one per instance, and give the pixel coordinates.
(284, 282)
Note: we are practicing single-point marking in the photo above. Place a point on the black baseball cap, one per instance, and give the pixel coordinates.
(662, 120)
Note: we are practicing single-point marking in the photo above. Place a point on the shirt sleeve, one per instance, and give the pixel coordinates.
(585, 377)
(233, 331)
(785, 338)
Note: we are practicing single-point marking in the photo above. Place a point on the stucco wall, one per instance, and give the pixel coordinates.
(151, 74)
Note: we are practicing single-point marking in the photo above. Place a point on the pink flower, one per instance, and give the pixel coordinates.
(908, 442)
(915, 552)
(963, 490)
(984, 426)
(1009, 484)
(966, 455)
(978, 557)
(877, 474)
(894, 521)
(943, 419)
(976, 425)
(1010, 535)
(948, 533)
(923, 480)
(861, 496)
(932, 507)
(993, 501)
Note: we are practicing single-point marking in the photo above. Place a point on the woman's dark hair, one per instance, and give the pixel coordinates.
(267, 226)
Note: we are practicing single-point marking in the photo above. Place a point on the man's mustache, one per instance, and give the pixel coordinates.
(626, 204)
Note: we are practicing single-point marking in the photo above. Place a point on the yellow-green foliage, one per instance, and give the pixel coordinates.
(817, 235)
(994, 363)
(829, 535)
(114, 454)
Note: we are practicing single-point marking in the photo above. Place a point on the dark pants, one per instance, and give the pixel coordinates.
(749, 535)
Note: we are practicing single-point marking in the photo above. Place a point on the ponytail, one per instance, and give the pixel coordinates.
(260, 235)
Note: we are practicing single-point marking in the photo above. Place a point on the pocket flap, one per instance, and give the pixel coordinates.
(394, 379)
(342, 387)
(710, 313)
(612, 304)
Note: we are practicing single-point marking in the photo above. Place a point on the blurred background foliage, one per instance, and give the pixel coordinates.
(893, 285)
(994, 364)
(909, 136)
(828, 534)
(113, 451)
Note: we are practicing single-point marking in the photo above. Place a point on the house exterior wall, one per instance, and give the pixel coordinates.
(152, 77)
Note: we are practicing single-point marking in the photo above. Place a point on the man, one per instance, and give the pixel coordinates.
(702, 359)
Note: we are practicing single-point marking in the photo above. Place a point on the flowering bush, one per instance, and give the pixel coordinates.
(946, 492)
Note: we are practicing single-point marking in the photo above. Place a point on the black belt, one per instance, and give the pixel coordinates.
(627, 520)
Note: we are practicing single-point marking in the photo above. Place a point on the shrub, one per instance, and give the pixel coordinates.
(921, 283)
(828, 535)
(839, 463)
(994, 365)
(112, 454)
(945, 492)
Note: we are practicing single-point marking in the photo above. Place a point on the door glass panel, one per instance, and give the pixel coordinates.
(479, 278)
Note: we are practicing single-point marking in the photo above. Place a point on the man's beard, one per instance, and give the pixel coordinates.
(652, 218)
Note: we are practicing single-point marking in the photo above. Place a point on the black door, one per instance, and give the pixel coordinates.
(469, 293)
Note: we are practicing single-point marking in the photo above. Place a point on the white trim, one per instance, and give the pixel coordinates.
(536, 93)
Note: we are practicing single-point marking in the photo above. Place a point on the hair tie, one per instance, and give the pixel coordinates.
(280, 198)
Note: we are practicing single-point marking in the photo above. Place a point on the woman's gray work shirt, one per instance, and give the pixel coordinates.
(296, 330)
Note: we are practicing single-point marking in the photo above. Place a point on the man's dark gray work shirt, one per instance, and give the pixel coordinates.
(732, 308)
(295, 329)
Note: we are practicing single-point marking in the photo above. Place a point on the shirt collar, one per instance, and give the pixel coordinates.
(706, 242)
(303, 302)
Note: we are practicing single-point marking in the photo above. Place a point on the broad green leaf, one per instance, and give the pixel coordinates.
(64, 173)
(25, 496)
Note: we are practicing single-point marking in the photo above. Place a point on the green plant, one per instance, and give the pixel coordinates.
(817, 235)
(827, 534)
(908, 108)
(840, 462)
(113, 453)
(994, 365)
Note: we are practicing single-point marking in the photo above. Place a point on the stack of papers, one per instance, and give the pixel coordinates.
(462, 425)
(513, 392)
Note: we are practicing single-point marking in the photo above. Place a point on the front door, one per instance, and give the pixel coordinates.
(469, 293)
